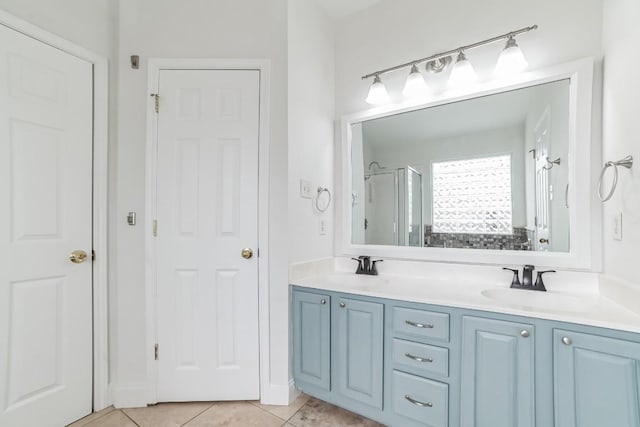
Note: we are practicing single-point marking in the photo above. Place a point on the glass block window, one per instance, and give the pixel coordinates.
(472, 196)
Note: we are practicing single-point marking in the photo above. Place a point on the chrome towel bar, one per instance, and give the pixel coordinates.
(627, 162)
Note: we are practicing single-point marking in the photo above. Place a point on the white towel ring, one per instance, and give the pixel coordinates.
(318, 195)
(627, 162)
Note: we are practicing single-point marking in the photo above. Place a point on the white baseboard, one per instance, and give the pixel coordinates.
(276, 394)
(129, 396)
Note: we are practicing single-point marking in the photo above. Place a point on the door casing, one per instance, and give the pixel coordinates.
(101, 398)
(155, 65)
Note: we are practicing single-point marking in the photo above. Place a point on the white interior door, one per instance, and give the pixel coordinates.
(543, 193)
(45, 214)
(207, 201)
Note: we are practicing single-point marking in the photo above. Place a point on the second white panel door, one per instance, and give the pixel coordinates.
(207, 212)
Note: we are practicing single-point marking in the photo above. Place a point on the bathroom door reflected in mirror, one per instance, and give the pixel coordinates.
(484, 173)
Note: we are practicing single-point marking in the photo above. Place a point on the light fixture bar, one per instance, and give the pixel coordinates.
(452, 51)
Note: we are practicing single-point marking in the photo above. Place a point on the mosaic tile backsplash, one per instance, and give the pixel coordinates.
(520, 240)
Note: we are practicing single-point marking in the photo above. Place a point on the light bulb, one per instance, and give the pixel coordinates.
(511, 59)
(415, 85)
(462, 73)
(377, 93)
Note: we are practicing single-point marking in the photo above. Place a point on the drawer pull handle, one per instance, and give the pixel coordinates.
(419, 325)
(418, 358)
(418, 403)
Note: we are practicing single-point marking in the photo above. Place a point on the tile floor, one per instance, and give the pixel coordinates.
(305, 411)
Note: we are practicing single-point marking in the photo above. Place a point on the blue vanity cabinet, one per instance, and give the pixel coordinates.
(596, 380)
(312, 339)
(408, 364)
(497, 378)
(359, 357)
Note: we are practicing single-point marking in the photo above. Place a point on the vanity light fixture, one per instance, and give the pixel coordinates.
(511, 60)
(462, 73)
(415, 85)
(377, 92)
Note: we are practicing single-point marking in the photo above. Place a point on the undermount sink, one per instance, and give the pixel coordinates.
(549, 301)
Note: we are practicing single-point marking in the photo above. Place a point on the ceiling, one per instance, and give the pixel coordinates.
(339, 9)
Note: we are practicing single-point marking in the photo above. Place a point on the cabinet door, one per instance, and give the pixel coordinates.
(596, 381)
(311, 336)
(497, 374)
(359, 352)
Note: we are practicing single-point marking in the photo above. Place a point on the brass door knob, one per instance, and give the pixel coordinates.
(247, 253)
(543, 241)
(78, 256)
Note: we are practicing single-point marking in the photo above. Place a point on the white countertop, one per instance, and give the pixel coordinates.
(583, 305)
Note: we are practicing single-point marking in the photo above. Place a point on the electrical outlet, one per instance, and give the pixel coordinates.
(305, 189)
(617, 226)
(323, 227)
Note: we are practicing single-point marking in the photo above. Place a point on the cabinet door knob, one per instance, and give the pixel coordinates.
(323, 301)
(524, 333)
(566, 341)
(342, 305)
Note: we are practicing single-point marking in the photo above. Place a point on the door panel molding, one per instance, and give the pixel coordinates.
(101, 396)
(155, 65)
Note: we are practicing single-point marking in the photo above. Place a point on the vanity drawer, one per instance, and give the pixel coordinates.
(420, 399)
(424, 358)
(421, 323)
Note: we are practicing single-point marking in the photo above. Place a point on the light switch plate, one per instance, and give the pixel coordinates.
(617, 226)
(323, 227)
(305, 189)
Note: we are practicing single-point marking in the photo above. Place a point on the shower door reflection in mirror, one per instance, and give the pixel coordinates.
(485, 173)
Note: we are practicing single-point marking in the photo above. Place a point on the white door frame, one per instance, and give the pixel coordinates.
(155, 65)
(101, 398)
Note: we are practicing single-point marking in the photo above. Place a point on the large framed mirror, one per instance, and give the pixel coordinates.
(497, 175)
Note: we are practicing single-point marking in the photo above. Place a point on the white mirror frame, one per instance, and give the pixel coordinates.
(583, 242)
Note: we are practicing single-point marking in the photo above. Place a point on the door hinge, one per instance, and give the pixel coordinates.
(93, 255)
(155, 228)
(156, 100)
(156, 352)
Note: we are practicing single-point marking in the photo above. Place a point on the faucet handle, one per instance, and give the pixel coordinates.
(539, 282)
(374, 270)
(516, 279)
(359, 270)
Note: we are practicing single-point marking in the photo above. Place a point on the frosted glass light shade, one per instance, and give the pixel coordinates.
(415, 85)
(462, 73)
(377, 93)
(511, 59)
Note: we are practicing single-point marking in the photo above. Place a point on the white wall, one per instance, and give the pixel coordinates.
(193, 29)
(85, 23)
(621, 133)
(311, 112)
(392, 32)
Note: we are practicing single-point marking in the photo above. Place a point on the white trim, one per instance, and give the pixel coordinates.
(263, 66)
(584, 252)
(130, 395)
(281, 395)
(101, 398)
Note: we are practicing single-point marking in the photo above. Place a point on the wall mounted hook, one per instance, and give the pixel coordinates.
(550, 163)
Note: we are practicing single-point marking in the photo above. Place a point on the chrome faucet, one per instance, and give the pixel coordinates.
(527, 279)
(366, 265)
